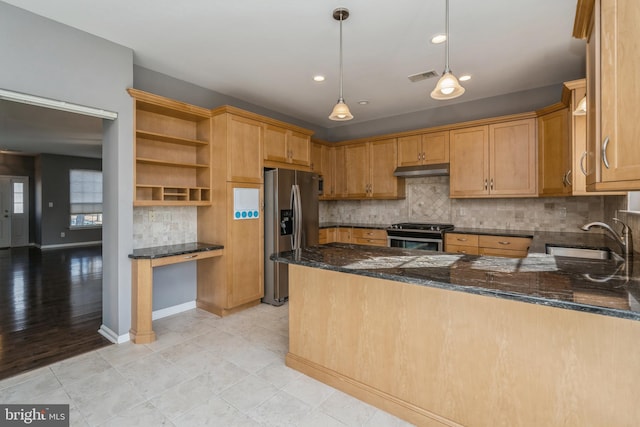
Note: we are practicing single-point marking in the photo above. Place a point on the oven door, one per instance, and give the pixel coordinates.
(414, 243)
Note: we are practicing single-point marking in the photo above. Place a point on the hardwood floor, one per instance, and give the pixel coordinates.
(50, 306)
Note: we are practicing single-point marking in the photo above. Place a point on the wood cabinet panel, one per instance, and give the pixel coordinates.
(504, 242)
(382, 163)
(469, 155)
(285, 147)
(554, 153)
(613, 60)
(423, 149)
(512, 157)
(275, 144)
(460, 239)
(316, 158)
(327, 235)
(244, 149)
(357, 170)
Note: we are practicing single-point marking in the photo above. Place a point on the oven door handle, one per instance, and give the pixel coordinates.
(413, 239)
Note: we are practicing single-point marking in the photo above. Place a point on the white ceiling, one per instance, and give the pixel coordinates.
(266, 52)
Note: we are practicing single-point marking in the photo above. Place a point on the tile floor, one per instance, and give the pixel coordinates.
(202, 371)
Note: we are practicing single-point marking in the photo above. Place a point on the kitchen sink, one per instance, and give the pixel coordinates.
(590, 253)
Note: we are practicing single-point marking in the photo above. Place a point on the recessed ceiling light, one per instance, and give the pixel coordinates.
(438, 38)
(465, 77)
(363, 102)
(318, 78)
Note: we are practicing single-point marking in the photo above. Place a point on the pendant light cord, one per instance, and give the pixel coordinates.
(446, 30)
(341, 15)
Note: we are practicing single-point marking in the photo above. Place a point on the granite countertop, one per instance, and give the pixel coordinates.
(594, 286)
(579, 239)
(353, 225)
(171, 250)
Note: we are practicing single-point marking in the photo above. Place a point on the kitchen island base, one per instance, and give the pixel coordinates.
(437, 357)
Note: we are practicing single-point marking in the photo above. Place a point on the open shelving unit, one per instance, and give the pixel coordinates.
(172, 152)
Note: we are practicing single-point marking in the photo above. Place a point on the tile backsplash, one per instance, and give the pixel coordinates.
(427, 200)
(160, 225)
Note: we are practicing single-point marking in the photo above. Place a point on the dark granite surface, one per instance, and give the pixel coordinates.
(171, 250)
(579, 239)
(592, 286)
(354, 225)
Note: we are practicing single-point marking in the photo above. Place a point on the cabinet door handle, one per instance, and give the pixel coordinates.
(604, 152)
(568, 176)
(485, 184)
(584, 156)
(461, 239)
(492, 183)
(504, 243)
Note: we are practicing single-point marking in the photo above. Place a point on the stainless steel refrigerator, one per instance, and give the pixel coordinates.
(290, 222)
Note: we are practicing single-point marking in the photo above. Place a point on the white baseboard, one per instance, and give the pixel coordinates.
(158, 314)
(112, 336)
(170, 311)
(70, 245)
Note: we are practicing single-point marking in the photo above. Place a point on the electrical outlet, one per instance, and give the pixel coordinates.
(152, 216)
(62, 234)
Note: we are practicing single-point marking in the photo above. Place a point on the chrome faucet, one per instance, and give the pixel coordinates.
(624, 239)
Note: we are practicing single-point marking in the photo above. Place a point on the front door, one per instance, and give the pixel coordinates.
(19, 211)
(14, 211)
(5, 212)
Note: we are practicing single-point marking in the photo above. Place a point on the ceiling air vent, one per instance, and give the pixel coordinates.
(423, 76)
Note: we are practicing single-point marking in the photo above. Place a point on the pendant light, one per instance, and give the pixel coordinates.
(448, 86)
(341, 110)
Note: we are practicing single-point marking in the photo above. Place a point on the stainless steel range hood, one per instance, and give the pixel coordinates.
(439, 169)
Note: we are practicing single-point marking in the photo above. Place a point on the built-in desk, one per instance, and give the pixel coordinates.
(144, 260)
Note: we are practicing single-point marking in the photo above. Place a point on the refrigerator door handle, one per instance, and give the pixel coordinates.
(296, 205)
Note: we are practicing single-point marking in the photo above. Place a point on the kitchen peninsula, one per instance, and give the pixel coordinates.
(449, 339)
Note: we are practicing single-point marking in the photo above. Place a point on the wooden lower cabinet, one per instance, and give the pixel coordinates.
(235, 280)
(369, 236)
(493, 245)
(327, 235)
(437, 357)
(356, 235)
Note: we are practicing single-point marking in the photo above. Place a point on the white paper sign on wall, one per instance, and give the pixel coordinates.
(246, 203)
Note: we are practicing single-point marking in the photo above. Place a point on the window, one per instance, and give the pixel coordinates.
(18, 197)
(85, 195)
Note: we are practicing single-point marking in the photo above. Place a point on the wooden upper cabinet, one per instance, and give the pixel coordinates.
(286, 146)
(613, 62)
(496, 160)
(469, 157)
(340, 189)
(328, 155)
(244, 149)
(424, 149)
(369, 170)
(574, 91)
(554, 151)
(382, 163)
(275, 144)
(357, 170)
(513, 158)
(172, 152)
(316, 158)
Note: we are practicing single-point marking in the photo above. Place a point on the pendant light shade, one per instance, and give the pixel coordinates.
(448, 86)
(341, 110)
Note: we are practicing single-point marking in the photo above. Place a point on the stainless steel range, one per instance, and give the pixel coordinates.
(415, 235)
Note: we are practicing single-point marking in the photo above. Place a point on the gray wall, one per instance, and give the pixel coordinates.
(512, 103)
(164, 85)
(53, 187)
(17, 165)
(48, 59)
